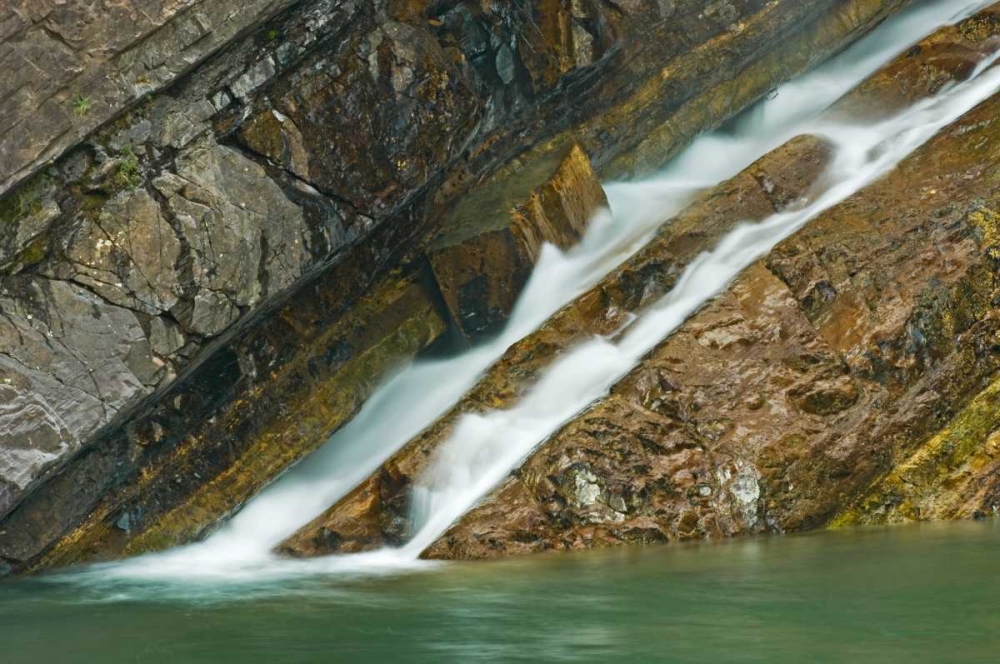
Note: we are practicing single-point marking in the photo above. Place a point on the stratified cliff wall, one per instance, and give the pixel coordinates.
(848, 377)
(222, 222)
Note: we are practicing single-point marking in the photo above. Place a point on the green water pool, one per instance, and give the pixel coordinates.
(927, 593)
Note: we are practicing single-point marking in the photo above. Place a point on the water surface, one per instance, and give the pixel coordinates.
(927, 593)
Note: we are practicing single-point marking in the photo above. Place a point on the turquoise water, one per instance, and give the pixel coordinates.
(927, 593)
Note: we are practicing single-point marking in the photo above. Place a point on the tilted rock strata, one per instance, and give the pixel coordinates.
(296, 100)
(177, 264)
(378, 512)
(855, 341)
(953, 475)
(950, 54)
(163, 496)
(171, 230)
(484, 258)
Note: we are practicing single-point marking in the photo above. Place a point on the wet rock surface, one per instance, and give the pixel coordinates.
(277, 176)
(244, 445)
(651, 441)
(357, 522)
(848, 353)
(494, 237)
(950, 54)
(953, 475)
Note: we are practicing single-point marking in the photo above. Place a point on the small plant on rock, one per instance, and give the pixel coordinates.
(129, 175)
(27, 201)
(81, 105)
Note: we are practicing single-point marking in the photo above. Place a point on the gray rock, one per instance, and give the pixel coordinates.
(246, 238)
(58, 53)
(505, 64)
(27, 215)
(69, 360)
(165, 336)
(128, 254)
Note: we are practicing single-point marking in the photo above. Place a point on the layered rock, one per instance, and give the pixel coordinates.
(953, 475)
(295, 170)
(483, 259)
(73, 65)
(378, 512)
(845, 352)
(156, 495)
(950, 54)
(177, 236)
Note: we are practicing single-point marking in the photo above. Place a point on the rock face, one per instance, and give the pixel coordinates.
(174, 234)
(849, 353)
(950, 54)
(615, 466)
(378, 512)
(159, 491)
(73, 65)
(486, 254)
(953, 475)
(230, 192)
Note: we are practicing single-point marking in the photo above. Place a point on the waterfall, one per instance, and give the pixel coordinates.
(483, 449)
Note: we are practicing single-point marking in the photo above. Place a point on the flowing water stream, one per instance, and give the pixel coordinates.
(484, 448)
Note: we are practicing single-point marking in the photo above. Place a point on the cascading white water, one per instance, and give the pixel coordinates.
(484, 448)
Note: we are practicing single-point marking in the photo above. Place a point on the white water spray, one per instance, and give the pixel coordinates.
(484, 448)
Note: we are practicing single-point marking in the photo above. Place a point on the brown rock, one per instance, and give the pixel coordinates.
(950, 54)
(953, 475)
(383, 125)
(356, 533)
(639, 281)
(852, 384)
(371, 122)
(777, 180)
(243, 446)
(495, 235)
